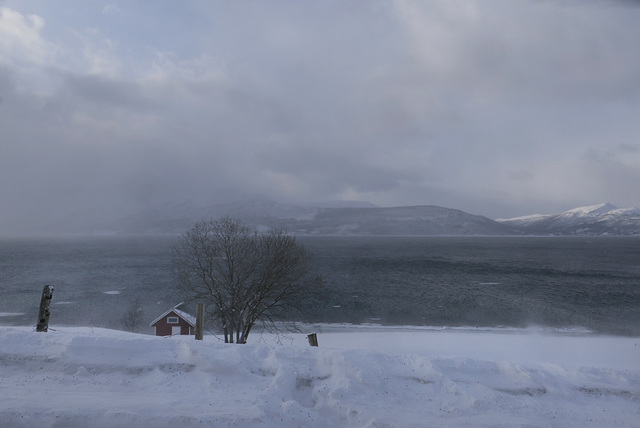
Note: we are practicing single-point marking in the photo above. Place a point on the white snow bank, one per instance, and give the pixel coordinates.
(79, 377)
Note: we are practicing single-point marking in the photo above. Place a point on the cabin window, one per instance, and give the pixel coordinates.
(172, 320)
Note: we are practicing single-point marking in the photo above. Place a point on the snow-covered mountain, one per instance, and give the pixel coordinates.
(602, 219)
(368, 219)
(342, 218)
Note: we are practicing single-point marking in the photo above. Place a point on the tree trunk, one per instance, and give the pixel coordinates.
(245, 332)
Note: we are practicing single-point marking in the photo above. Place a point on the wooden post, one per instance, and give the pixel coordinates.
(313, 339)
(199, 321)
(43, 314)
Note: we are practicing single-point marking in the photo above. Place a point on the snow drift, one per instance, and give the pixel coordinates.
(79, 377)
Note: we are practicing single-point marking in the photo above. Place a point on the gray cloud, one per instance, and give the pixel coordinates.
(493, 108)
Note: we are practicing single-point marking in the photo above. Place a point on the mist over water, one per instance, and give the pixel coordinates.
(558, 283)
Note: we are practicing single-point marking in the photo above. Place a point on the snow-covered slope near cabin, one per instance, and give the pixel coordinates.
(81, 377)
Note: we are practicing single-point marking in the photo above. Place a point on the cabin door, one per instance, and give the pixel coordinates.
(175, 330)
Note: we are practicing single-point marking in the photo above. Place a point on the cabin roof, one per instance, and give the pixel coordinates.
(190, 319)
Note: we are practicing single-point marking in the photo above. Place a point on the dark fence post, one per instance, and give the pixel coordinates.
(43, 314)
(199, 321)
(313, 339)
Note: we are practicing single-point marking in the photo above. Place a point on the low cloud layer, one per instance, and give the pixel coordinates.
(495, 108)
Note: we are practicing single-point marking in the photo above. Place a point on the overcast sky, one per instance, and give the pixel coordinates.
(498, 108)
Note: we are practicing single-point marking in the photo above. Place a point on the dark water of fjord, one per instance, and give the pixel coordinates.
(586, 283)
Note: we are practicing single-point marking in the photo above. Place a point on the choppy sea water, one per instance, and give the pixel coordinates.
(583, 284)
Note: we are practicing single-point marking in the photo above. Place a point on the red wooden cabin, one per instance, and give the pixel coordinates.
(174, 322)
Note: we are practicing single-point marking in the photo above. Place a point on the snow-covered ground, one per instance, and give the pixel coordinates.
(367, 377)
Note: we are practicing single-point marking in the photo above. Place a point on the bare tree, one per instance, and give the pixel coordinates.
(243, 276)
(132, 318)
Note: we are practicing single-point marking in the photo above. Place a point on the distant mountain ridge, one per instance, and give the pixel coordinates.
(602, 219)
(347, 218)
(367, 219)
(412, 220)
(352, 219)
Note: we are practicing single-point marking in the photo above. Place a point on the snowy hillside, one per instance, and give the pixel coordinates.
(602, 219)
(80, 377)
